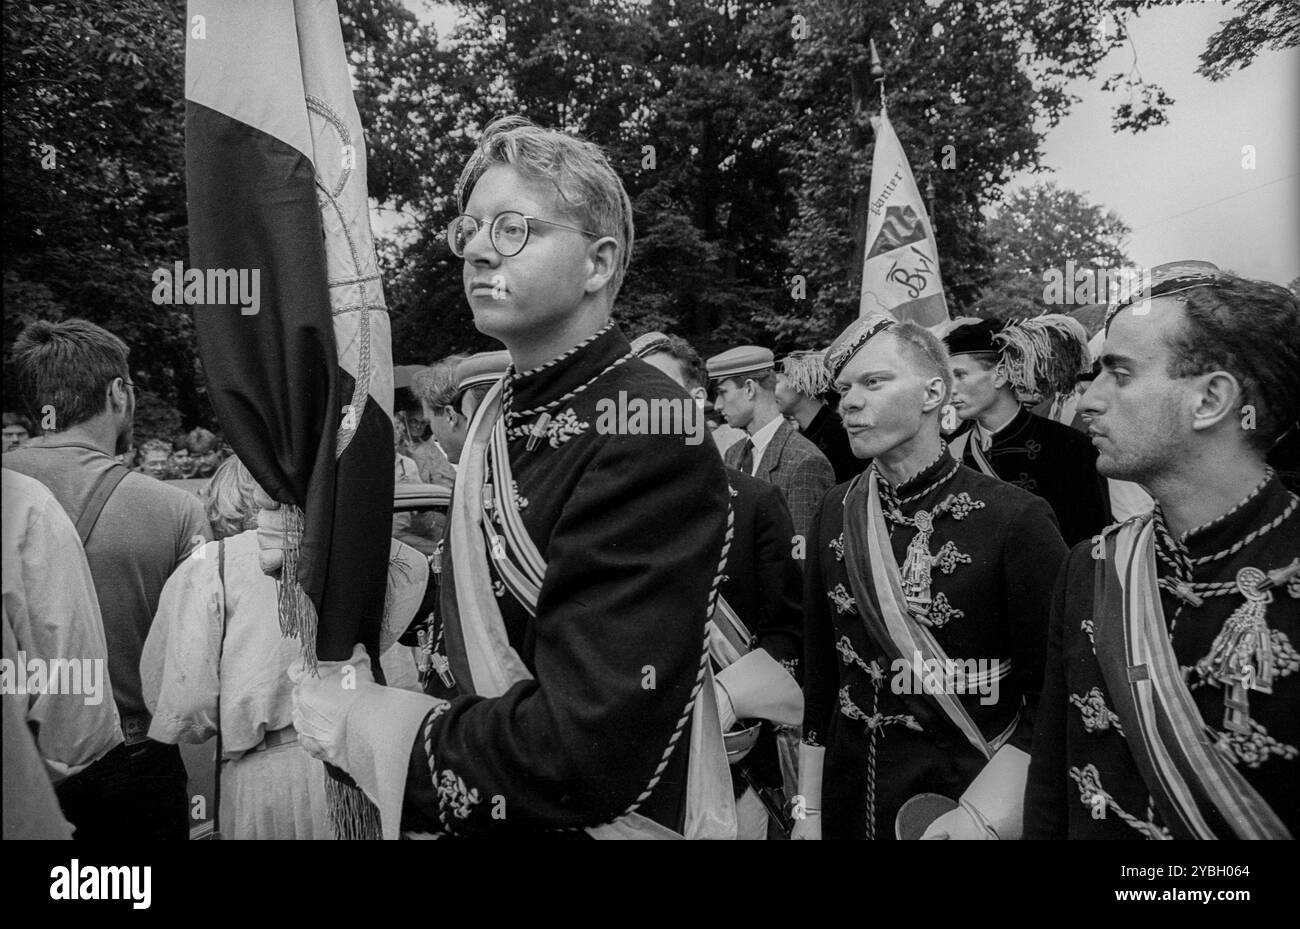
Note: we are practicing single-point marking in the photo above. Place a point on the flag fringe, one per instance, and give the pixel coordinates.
(351, 815)
(297, 614)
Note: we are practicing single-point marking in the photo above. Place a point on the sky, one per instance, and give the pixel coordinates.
(1165, 182)
(1181, 187)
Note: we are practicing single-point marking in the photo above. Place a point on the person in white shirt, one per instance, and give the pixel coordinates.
(55, 654)
(215, 660)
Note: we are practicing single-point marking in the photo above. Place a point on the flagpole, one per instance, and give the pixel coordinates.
(878, 73)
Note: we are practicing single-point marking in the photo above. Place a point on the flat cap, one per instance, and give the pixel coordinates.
(483, 368)
(648, 343)
(742, 361)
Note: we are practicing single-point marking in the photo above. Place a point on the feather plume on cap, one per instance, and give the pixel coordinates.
(806, 373)
(1044, 355)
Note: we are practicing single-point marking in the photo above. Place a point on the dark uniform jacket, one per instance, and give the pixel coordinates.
(764, 586)
(1055, 462)
(794, 465)
(632, 529)
(1081, 752)
(826, 431)
(991, 586)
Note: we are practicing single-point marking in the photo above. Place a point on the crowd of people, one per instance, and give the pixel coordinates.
(983, 581)
(188, 455)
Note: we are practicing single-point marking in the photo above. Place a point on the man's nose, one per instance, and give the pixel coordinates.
(479, 250)
(1092, 402)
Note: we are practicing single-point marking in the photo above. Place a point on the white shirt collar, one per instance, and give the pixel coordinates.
(762, 439)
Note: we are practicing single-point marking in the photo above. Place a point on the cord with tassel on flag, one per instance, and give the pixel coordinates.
(303, 386)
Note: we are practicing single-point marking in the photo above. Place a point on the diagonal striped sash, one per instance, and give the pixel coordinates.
(479, 648)
(1199, 793)
(884, 607)
(958, 448)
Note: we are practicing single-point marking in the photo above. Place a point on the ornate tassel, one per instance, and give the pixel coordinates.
(297, 614)
(351, 814)
(916, 567)
(1241, 657)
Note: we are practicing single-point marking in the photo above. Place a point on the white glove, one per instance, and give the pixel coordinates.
(726, 710)
(345, 718)
(992, 807)
(321, 703)
(270, 533)
(962, 823)
(808, 803)
(759, 688)
(808, 829)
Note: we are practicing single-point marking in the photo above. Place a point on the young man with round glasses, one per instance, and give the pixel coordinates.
(579, 567)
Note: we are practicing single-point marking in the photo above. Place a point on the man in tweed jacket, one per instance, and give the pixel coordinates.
(744, 382)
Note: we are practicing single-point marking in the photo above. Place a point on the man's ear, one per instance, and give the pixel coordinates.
(1218, 397)
(602, 258)
(1000, 376)
(699, 393)
(115, 397)
(936, 394)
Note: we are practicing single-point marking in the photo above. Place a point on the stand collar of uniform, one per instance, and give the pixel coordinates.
(550, 381)
(1263, 504)
(923, 478)
(1009, 430)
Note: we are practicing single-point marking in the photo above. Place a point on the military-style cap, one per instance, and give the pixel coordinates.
(1165, 279)
(649, 343)
(975, 338)
(849, 342)
(483, 368)
(805, 372)
(741, 362)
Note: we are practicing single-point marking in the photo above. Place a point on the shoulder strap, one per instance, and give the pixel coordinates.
(104, 488)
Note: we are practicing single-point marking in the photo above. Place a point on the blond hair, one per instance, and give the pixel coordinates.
(579, 171)
(230, 497)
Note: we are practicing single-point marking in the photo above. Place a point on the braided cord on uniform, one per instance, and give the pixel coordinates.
(704, 663)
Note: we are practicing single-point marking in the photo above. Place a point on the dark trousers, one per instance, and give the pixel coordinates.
(134, 792)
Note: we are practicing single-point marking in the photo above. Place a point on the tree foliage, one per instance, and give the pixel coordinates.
(742, 130)
(94, 183)
(1043, 233)
(1259, 24)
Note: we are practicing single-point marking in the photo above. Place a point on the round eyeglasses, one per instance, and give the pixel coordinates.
(508, 232)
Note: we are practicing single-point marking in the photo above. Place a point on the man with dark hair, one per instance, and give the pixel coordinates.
(800, 386)
(17, 430)
(763, 585)
(996, 370)
(925, 605)
(135, 530)
(744, 380)
(1171, 706)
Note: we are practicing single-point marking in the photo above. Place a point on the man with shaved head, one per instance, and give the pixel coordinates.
(926, 597)
(1170, 707)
